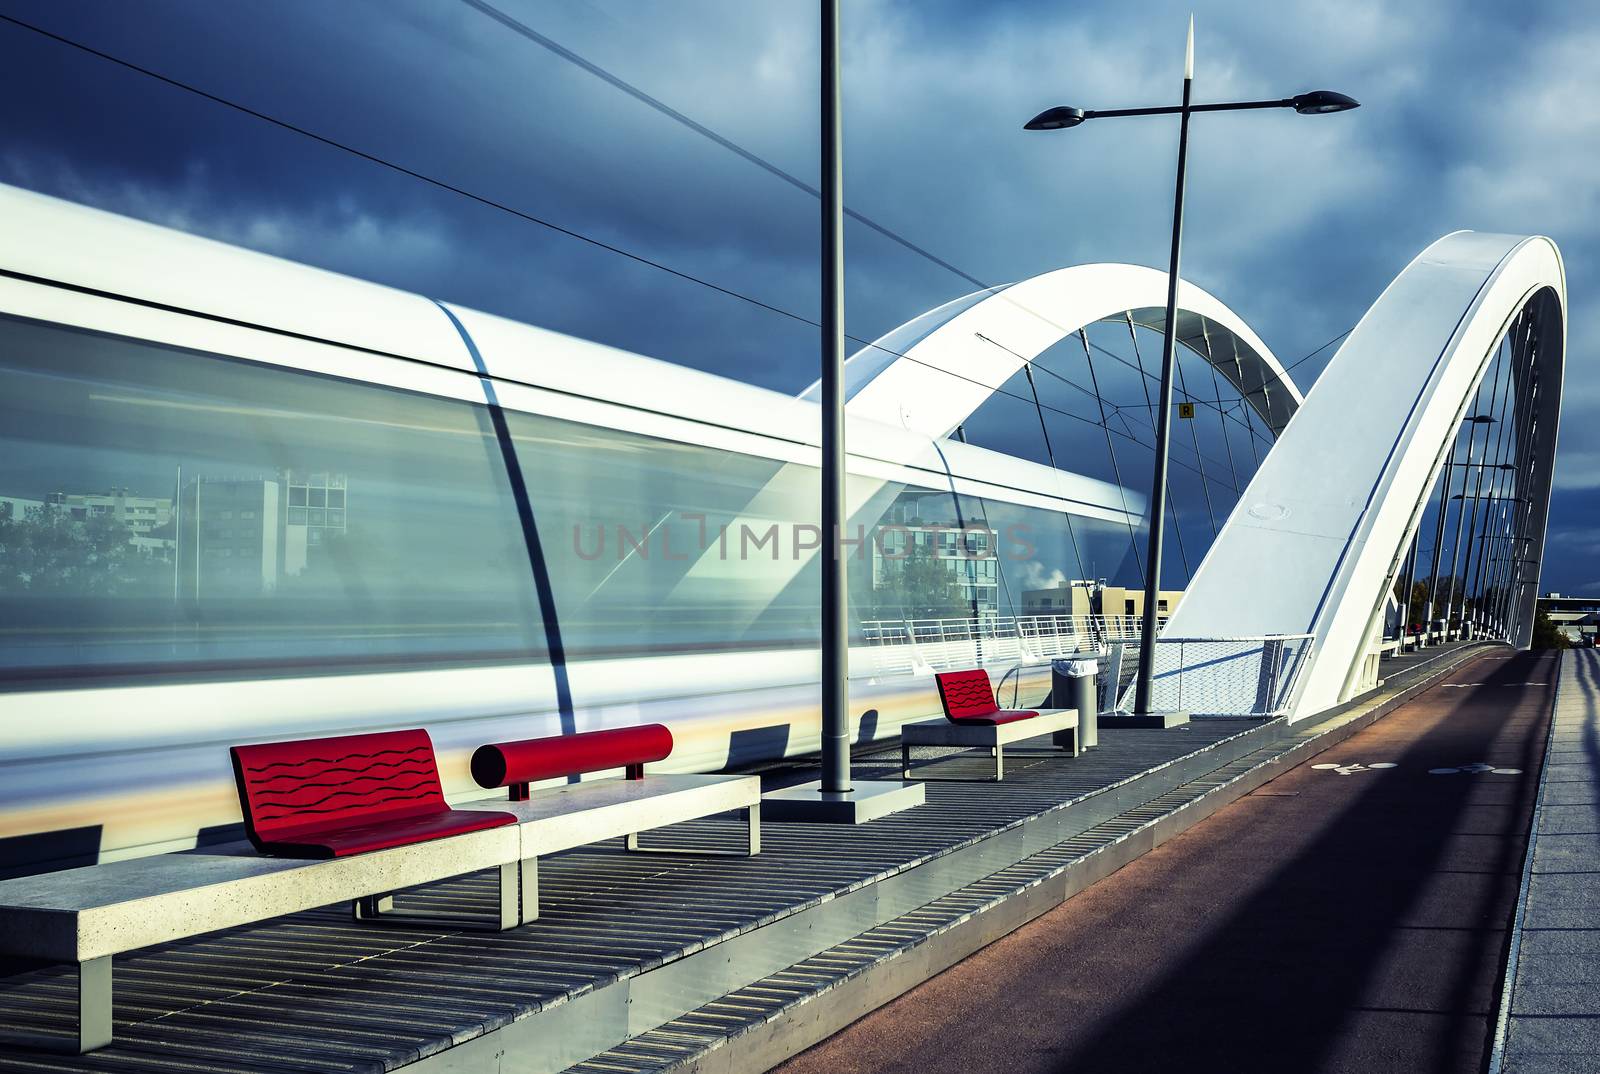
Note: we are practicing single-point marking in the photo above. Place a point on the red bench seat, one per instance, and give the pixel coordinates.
(968, 698)
(333, 797)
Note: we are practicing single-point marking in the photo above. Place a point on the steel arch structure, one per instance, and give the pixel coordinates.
(1319, 536)
(930, 374)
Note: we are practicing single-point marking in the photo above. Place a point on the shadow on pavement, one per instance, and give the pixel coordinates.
(1279, 983)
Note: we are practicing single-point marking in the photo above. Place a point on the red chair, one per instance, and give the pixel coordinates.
(969, 699)
(333, 797)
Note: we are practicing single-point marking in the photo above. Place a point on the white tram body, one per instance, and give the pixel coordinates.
(244, 499)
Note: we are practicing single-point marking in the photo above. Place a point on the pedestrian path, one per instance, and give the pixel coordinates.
(1348, 917)
(1551, 1011)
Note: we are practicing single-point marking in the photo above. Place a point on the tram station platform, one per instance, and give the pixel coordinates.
(1550, 1010)
(647, 963)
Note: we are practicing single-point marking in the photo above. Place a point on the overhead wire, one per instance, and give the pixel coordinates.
(621, 84)
(613, 248)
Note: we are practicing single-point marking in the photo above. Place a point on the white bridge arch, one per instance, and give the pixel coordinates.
(1316, 541)
(930, 374)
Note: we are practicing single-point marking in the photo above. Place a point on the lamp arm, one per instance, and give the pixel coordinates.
(1172, 110)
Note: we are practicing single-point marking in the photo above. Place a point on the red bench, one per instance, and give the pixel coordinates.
(354, 794)
(974, 720)
(968, 697)
(578, 814)
(329, 797)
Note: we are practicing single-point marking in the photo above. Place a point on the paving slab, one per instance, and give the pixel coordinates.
(1550, 1007)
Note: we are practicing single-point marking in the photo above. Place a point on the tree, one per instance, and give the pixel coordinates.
(48, 552)
(922, 586)
(1546, 635)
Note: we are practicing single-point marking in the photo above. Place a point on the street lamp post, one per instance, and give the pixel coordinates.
(836, 796)
(1063, 117)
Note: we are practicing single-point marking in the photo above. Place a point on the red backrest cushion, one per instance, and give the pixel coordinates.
(502, 764)
(288, 789)
(966, 693)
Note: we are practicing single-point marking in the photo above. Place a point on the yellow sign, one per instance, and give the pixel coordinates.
(1185, 410)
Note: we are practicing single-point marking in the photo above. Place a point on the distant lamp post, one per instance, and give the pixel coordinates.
(1318, 102)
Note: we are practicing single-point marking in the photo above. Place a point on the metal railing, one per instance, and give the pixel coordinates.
(1246, 676)
(909, 646)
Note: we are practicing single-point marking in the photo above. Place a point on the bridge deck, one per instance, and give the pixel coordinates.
(317, 992)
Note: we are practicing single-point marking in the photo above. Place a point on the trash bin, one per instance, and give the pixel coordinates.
(1073, 686)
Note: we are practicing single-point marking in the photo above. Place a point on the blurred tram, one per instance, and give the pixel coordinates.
(244, 499)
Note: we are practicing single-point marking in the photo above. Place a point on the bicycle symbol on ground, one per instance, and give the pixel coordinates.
(1353, 767)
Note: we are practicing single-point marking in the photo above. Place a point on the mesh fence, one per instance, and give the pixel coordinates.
(907, 646)
(1225, 676)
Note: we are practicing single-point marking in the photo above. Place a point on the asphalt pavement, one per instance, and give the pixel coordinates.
(1351, 915)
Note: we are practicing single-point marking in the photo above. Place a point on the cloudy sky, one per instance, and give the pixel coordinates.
(1474, 115)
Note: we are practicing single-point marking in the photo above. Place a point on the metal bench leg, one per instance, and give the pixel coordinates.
(999, 763)
(1067, 739)
(379, 909)
(752, 823)
(94, 1004)
(510, 896)
(371, 907)
(528, 868)
(905, 760)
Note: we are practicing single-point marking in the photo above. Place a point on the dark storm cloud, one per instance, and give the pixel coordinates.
(1468, 121)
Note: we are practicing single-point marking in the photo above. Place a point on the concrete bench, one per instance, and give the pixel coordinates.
(1060, 724)
(355, 817)
(352, 818)
(974, 719)
(90, 914)
(578, 814)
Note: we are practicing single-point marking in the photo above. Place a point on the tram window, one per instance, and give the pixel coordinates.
(426, 564)
(658, 546)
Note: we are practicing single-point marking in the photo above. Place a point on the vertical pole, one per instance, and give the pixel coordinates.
(1222, 417)
(835, 609)
(198, 481)
(1524, 387)
(1050, 453)
(1163, 414)
(1477, 496)
(1116, 472)
(1516, 452)
(1194, 435)
(177, 542)
(1525, 503)
(1510, 482)
(1438, 531)
(1455, 545)
(1408, 586)
(1479, 613)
